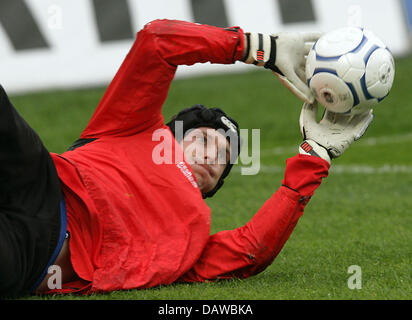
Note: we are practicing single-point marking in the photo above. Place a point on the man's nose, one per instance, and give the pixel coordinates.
(210, 155)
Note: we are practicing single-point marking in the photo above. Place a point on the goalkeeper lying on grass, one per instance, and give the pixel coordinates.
(111, 217)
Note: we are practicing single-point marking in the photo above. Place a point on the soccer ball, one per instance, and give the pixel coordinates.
(350, 70)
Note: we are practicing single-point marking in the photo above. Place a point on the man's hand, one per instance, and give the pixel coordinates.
(333, 134)
(285, 54)
(291, 52)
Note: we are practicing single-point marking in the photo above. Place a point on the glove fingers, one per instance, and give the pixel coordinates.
(363, 123)
(328, 116)
(308, 114)
(337, 118)
(310, 40)
(301, 73)
(307, 118)
(311, 36)
(299, 86)
(305, 96)
(308, 47)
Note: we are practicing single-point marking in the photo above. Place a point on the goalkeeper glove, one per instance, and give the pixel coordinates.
(284, 54)
(334, 133)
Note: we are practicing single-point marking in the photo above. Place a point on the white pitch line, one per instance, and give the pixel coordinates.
(364, 169)
(372, 141)
(401, 138)
(342, 169)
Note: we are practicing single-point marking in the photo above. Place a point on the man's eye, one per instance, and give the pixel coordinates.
(199, 138)
(222, 156)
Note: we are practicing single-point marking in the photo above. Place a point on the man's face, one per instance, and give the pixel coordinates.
(207, 151)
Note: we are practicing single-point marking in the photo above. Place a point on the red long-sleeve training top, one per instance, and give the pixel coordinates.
(138, 224)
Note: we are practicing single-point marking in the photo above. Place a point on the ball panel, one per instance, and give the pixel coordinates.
(379, 73)
(310, 64)
(373, 38)
(342, 66)
(332, 92)
(350, 67)
(366, 105)
(355, 61)
(338, 42)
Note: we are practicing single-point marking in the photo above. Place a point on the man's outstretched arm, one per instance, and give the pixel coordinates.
(248, 250)
(133, 101)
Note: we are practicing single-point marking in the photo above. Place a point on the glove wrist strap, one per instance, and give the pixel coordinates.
(261, 50)
(311, 148)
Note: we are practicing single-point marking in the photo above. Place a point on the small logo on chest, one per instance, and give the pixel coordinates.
(186, 172)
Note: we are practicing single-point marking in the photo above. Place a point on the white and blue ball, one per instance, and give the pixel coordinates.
(350, 70)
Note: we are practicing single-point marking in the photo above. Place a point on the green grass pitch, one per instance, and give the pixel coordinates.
(361, 214)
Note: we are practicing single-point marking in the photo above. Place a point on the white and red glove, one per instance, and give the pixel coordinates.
(335, 132)
(285, 54)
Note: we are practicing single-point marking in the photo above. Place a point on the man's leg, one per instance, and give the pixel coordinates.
(22, 152)
(29, 202)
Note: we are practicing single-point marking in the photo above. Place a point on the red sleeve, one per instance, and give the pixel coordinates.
(248, 250)
(133, 100)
